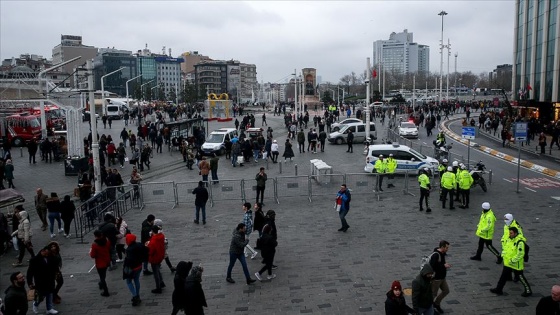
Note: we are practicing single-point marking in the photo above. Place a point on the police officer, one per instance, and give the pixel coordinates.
(448, 184)
(442, 167)
(465, 182)
(485, 232)
(425, 187)
(440, 139)
(513, 254)
(510, 222)
(391, 167)
(380, 168)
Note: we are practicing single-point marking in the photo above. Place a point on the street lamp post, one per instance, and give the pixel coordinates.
(103, 109)
(442, 14)
(42, 106)
(343, 94)
(94, 140)
(142, 88)
(136, 77)
(139, 109)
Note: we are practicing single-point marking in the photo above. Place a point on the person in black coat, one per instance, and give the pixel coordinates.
(41, 275)
(15, 301)
(109, 229)
(67, 213)
(194, 295)
(395, 303)
(267, 244)
(179, 296)
(201, 197)
(550, 305)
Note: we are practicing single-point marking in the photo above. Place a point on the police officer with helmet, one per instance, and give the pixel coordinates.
(448, 185)
(425, 187)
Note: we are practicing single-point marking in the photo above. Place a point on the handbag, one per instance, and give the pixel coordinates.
(31, 295)
(126, 159)
(15, 242)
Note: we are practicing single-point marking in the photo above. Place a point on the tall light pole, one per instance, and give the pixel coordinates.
(136, 77)
(448, 55)
(442, 14)
(93, 124)
(42, 104)
(368, 79)
(139, 120)
(103, 108)
(295, 93)
(455, 84)
(142, 88)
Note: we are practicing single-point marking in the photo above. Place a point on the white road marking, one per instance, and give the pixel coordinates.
(507, 180)
(530, 189)
(557, 198)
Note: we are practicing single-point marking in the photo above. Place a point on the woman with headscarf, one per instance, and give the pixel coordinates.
(288, 152)
(179, 296)
(194, 295)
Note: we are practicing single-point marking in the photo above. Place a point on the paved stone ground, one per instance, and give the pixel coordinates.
(321, 271)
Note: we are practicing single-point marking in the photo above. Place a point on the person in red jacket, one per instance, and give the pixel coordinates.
(101, 252)
(156, 247)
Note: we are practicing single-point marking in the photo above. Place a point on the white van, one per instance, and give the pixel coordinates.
(215, 143)
(115, 111)
(407, 159)
(358, 129)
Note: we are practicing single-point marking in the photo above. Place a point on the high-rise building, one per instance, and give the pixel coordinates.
(249, 83)
(536, 79)
(400, 53)
(70, 47)
(219, 76)
(169, 73)
(191, 58)
(109, 60)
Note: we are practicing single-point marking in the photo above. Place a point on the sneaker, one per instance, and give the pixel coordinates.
(230, 280)
(495, 291)
(246, 255)
(17, 264)
(438, 308)
(274, 267)
(60, 231)
(119, 260)
(258, 275)
(270, 277)
(69, 234)
(52, 311)
(255, 254)
(251, 281)
(476, 258)
(35, 309)
(156, 291)
(53, 235)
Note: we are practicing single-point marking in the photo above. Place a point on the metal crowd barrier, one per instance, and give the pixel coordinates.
(183, 191)
(326, 185)
(402, 185)
(229, 190)
(158, 192)
(250, 190)
(292, 186)
(360, 183)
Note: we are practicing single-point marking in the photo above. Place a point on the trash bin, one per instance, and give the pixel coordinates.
(73, 165)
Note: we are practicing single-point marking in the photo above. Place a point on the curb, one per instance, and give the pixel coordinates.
(524, 163)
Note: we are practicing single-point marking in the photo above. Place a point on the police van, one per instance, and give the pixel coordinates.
(407, 159)
(216, 141)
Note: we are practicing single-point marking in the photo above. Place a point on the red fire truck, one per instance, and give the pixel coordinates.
(19, 128)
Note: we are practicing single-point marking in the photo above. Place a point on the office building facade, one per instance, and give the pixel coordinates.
(109, 60)
(401, 54)
(536, 58)
(70, 47)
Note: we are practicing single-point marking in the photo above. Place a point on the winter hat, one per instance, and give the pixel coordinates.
(396, 285)
(508, 218)
(486, 206)
(158, 223)
(130, 238)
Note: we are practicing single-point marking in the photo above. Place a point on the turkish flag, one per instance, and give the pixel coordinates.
(529, 88)
(374, 73)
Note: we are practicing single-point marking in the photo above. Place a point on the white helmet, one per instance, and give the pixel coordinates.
(444, 161)
(455, 163)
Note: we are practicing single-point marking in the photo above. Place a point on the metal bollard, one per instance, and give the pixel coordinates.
(490, 174)
(21, 151)
(295, 166)
(280, 166)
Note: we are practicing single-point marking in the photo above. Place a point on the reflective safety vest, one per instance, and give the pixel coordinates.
(380, 166)
(391, 165)
(513, 252)
(442, 168)
(424, 181)
(465, 179)
(448, 180)
(485, 228)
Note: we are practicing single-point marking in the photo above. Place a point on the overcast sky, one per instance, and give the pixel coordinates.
(335, 37)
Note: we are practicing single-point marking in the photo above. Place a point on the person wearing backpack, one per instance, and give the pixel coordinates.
(440, 266)
(510, 222)
(513, 255)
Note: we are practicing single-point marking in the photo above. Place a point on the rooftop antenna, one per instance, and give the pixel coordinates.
(163, 50)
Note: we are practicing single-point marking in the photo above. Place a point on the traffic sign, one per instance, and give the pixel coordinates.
(520, 131)
(468, 133)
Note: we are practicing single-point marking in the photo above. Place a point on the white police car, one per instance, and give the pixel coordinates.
(407, 159)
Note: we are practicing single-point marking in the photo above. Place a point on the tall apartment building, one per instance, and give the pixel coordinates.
(191, 58)
(219, 76)
(249, 83)
(211, 76)
(536, 57)
(169, 73)
(70, 47)
(401, 53)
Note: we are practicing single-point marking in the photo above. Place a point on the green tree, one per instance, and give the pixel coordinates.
(172, 96)
(161, 92)
(136, 91)
(327, 97)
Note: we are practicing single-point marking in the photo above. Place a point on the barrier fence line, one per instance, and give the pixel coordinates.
(228, 189)
(158, 192)
(250, 190)
(292, 186)
(325, 185)
(184, 192)
(360, 183)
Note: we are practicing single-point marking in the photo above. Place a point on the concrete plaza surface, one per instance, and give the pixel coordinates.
(320, 270)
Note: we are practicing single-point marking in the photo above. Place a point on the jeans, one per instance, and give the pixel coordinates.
(198, 208)
(54, 216)
(256, 155)
(205, 179)
(134, 288)
(342, 214)
(260, 191)
(102, 272)
(234, 159)
(232, 258)
(426, 311)
(156, 269)
(214, 174)
(48, 297)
